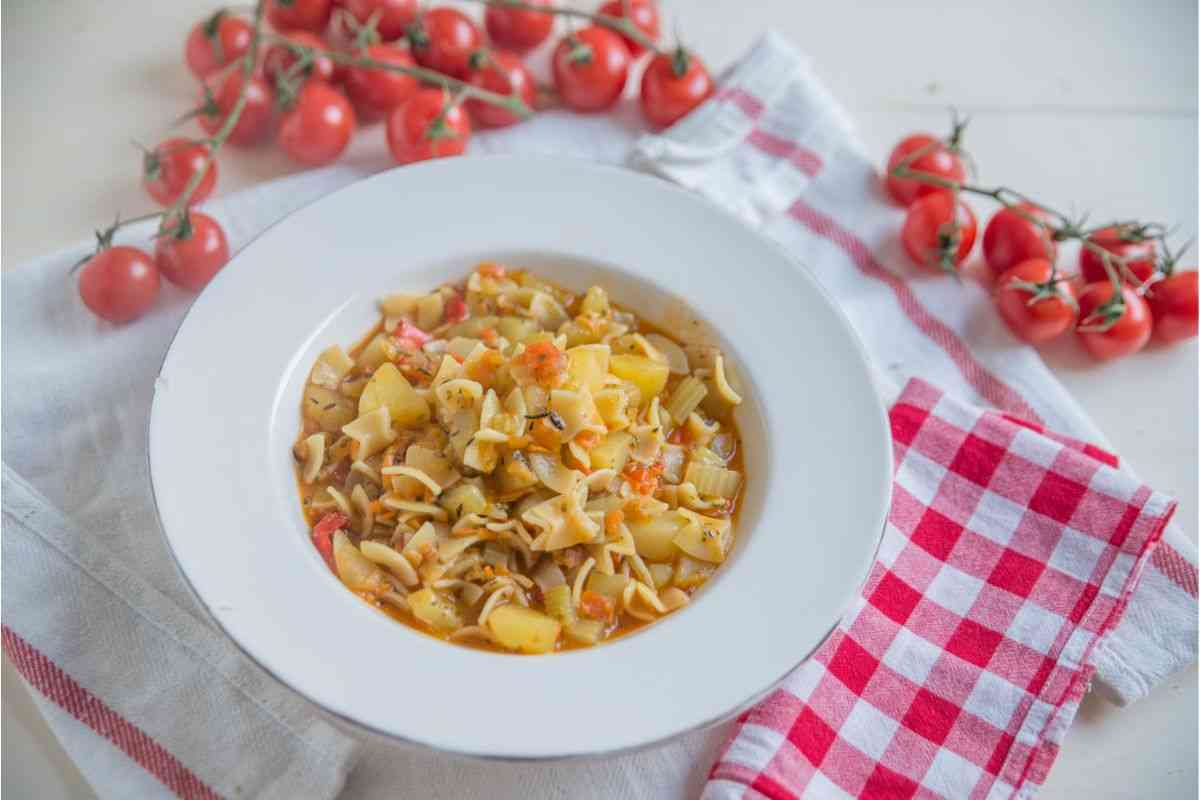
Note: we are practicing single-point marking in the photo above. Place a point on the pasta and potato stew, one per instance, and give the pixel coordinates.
(503, 464)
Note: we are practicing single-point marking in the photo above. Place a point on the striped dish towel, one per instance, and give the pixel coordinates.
(776, 149)
(1009, 555)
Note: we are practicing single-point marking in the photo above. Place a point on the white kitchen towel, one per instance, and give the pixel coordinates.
(777, 150)
(148, 696)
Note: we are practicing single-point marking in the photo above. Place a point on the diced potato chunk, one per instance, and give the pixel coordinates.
(613, 452)
(435, 610)
(611, 586)
(329, 409)
(647, 375)
(466, 498)
(654, 538)
(594, 302)
(523, 629)
(578, 334)
(705, 544)
(586, 631)
(471, 328)
(388, 387)
(516, 329)
(587, 365)
(377, 351)
(690, 573)
(662, 574)
(429, 311)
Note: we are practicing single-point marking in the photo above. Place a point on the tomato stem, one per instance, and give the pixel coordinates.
(179, 207)
(513, 104)
(1063, 229)
(622, 25)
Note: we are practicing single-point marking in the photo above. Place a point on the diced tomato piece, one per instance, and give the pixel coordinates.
(455, 309)
(409, 336)
(322, 535)
(595, 605)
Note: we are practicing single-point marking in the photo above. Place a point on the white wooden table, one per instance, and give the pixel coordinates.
(1087, 105)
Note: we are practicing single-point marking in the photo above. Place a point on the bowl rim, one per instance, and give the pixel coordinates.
(881, 495)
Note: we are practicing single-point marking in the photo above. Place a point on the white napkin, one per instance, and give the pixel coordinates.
(778, 151)
(148, 697)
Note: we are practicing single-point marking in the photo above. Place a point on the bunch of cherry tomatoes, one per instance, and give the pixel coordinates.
(325, 67)
(1127, 286)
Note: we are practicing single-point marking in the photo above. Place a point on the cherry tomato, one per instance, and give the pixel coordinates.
(168, 168)
(929, 237)
(1128, 334)
(191, 257)
(443, 39)
(938, 160)
(377, 91)
(299, 15)
(280, 58)
(258, 112)
(215, 42)
(1035, 310)
(672, 85)
(590, 68)
(1173, 303)
(318, 127)
(415, 134)
(1010, 238)
(119, 283)
(643, 14)
(502, 73)
(518, 29)
(394, 15)
(1123, 241)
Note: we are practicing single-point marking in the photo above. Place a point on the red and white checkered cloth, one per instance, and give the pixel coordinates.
(1008, 555)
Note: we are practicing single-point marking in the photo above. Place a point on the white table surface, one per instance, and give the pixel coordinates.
(1086, 105)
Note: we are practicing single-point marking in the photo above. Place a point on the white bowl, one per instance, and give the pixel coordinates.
(226, 411)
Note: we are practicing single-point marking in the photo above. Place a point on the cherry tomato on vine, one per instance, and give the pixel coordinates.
(518, 29)
(503, 73)
(929, 234)
(377, 91)
(258, 112)
(319, 125)
(642, 13)
(394, 15)
(590, 68)
(937, 159)
(299, 15)
(426, 127)
(1035, 309)
(443, 39)
(1011, 238)
(190, 255)
(280, 58)
(119, 283)
(167, 169)
(672, 85)
(215, 42)
(1174, 306)
(1126, 242)
(1111, 331)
